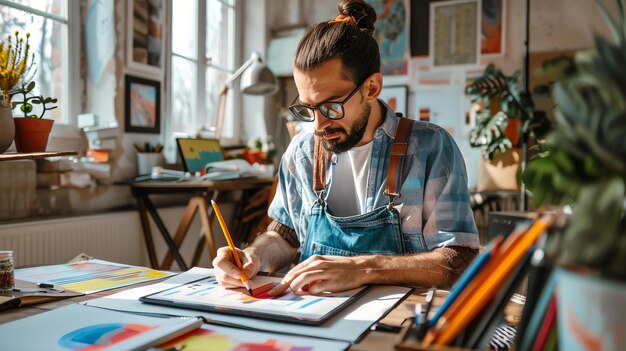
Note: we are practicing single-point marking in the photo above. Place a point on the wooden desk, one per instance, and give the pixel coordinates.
(199, 191)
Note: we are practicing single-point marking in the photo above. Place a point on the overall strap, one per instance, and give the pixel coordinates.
(396, 161)
(320, 158)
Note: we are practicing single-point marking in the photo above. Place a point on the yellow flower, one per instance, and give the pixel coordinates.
(14, 63)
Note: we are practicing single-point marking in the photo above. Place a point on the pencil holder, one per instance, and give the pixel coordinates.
(7, 279)
(147, 160)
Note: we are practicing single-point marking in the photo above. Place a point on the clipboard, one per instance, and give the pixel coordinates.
(207, 295)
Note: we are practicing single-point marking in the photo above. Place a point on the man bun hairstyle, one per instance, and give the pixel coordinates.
(350, 37)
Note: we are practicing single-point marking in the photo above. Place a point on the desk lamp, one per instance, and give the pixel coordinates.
(257, 79)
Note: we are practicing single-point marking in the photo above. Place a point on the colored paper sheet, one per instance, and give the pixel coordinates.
(216, 338)
(89, 276)
(78, 327)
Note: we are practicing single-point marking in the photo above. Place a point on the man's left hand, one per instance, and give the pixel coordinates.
(324, 274)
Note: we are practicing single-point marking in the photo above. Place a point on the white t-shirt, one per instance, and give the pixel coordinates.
(348, 192)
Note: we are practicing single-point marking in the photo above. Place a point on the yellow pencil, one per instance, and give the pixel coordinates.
(244, 278)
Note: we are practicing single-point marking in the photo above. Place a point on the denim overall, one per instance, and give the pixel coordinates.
(375, 232)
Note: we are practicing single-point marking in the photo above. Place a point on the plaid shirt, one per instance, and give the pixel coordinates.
(434, 203)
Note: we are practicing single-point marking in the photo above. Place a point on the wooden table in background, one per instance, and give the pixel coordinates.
(200, 192)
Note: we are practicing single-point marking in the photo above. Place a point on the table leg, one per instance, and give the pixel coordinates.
(166, 235)
(206, 223)
(183, 227)
(147, 233)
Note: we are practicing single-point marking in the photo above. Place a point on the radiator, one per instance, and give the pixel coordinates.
(113, 237)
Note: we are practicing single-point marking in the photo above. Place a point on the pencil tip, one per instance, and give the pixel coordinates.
(250, 291)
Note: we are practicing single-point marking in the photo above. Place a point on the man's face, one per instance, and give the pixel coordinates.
(327, 82)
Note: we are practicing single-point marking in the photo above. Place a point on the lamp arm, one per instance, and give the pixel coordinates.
(221, 109)
(254, 57)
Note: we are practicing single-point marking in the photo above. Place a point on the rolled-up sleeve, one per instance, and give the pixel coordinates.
(447, 216)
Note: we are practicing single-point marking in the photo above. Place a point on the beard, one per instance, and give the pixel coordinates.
(352, 138)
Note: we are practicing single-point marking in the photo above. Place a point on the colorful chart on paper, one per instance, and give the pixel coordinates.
(82, 328)
(207, 292)
(89, 276)
(216, 338)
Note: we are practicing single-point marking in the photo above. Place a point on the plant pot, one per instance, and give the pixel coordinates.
(7, 128)
(500, 174)
(590, 312)
(31, 134)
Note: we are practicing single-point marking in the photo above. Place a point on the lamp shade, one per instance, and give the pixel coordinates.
(258, 79)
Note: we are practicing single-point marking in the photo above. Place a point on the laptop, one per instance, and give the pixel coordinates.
(196, 153)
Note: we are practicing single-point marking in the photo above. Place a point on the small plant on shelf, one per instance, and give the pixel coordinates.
(26, 105)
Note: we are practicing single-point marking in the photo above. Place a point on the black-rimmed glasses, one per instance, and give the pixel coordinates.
(330, 109)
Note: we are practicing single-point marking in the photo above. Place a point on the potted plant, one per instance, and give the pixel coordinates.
(14, 65)
(32, 131)
(505, 116)
(582, 164)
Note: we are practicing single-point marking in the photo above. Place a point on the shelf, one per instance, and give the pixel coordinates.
(34, 155)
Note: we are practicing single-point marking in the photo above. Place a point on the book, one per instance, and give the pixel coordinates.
(28, 293)
(91, 328)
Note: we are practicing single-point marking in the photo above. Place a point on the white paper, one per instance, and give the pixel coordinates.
(348, 325)
(76, 326)
(89, 276)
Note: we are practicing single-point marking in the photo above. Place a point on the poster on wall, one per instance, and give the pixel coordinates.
(493, 28)
(396, 96)
(392, 35)
(455, 33)
(145, 37)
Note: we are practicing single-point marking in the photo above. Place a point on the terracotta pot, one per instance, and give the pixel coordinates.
(31, 134)
(7, 128)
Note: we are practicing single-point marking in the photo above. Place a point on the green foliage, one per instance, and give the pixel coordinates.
(26, 105)
(513, 102)
(583, 160)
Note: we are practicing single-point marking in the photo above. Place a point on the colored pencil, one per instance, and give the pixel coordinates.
(511, 256)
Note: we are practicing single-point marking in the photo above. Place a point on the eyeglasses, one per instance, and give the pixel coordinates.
(330, 109)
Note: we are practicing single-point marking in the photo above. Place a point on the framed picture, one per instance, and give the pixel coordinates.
(455, 33)
(493, 28)
(392, 35)
(145, 32)
(143, 105)
(396, 96)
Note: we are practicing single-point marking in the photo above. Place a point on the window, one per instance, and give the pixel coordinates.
(202, 57)
(48, 23)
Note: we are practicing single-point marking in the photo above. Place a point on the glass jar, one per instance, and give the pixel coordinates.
(7, 278)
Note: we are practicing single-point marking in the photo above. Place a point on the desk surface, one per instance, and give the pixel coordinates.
(373, 341)
(154, 186)
(34, 155)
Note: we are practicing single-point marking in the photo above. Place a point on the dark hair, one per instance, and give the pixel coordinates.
(352, 41)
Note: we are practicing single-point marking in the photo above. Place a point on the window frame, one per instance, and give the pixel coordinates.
(202, 64)
(71, 57)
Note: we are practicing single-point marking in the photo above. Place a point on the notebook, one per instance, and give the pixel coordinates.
(207, 295)
(196, 153)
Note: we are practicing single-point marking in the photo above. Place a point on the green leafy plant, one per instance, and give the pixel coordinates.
(583, 160)
(501, 98)
(26, 105)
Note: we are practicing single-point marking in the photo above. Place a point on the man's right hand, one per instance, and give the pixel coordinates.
(226, 271)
